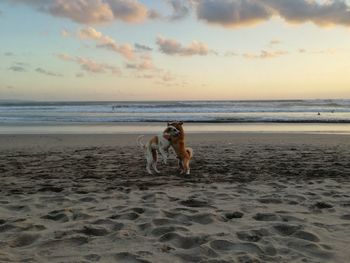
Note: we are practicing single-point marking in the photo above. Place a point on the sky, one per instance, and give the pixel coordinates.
(76, 50)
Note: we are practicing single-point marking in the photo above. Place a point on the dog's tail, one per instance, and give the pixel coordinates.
(139, 141)
(189, 151)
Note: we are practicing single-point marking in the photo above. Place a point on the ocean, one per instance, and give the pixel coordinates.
(332, 115)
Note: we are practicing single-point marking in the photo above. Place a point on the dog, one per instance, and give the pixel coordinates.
(159, 143)
(178, 143)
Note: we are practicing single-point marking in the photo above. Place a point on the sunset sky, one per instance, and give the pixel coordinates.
(174, 49)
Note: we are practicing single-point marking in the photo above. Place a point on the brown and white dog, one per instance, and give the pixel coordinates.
(159, 143)
(178, 143)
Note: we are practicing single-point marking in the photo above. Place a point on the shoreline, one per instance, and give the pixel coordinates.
(149, 128)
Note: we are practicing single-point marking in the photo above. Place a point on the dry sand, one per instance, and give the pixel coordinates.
(250, 198)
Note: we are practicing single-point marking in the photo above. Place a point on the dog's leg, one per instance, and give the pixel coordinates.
(154, 165)
(154, 161)
(181, 166)
(164, 155)
(187, 166)
(149, 160)
(149, 164)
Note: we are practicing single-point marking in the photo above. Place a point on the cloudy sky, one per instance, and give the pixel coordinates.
(174, 49)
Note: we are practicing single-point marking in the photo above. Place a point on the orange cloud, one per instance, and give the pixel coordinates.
(145, 63)
(264, 54)
(173, 47)
(90, 65)
(91, 11)
(126, 50)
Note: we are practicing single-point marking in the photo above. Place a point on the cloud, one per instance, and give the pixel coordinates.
(145, 63)
(141, 47)
(330, 51)
(172, 47)
(333, 12)
(106, 42)
(265, 54)
(233, 13)
(48, 73)
(180, 9)
(90, 65)
(237, 13)
(275, 42)
(91, 11)
(154, 14)
(17, 69)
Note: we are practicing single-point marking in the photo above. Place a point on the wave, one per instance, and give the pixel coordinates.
(272, 111)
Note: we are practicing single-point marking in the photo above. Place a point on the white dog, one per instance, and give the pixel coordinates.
(161, 144)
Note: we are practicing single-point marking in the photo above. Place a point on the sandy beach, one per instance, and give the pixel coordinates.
(250, 198)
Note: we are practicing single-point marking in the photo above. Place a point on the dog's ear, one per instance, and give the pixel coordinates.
(181, 122)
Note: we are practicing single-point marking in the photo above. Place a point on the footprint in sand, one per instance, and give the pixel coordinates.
(6, 227)
(286, 230)
(253, 235)
(184, 242)
(345, 217)
(114, 226)
(126, 216)
(57, 215)
(126, 257)
(198, 254)
(191, 202)
(311, 249)
(24, 240)
(306, 236)
(233, 215)
(224, 245)
(93, 231)
(159, 231)
(266, 217)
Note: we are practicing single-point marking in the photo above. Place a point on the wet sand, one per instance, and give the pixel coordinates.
(250, 198)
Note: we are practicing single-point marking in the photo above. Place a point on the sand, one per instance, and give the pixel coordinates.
(250, 198)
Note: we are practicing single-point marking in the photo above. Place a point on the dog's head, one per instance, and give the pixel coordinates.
(171, 131)
(176, 124)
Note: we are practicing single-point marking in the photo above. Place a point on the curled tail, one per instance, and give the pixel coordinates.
(139, 141)
(189, 151)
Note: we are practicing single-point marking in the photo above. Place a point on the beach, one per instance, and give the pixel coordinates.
(250, 197)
